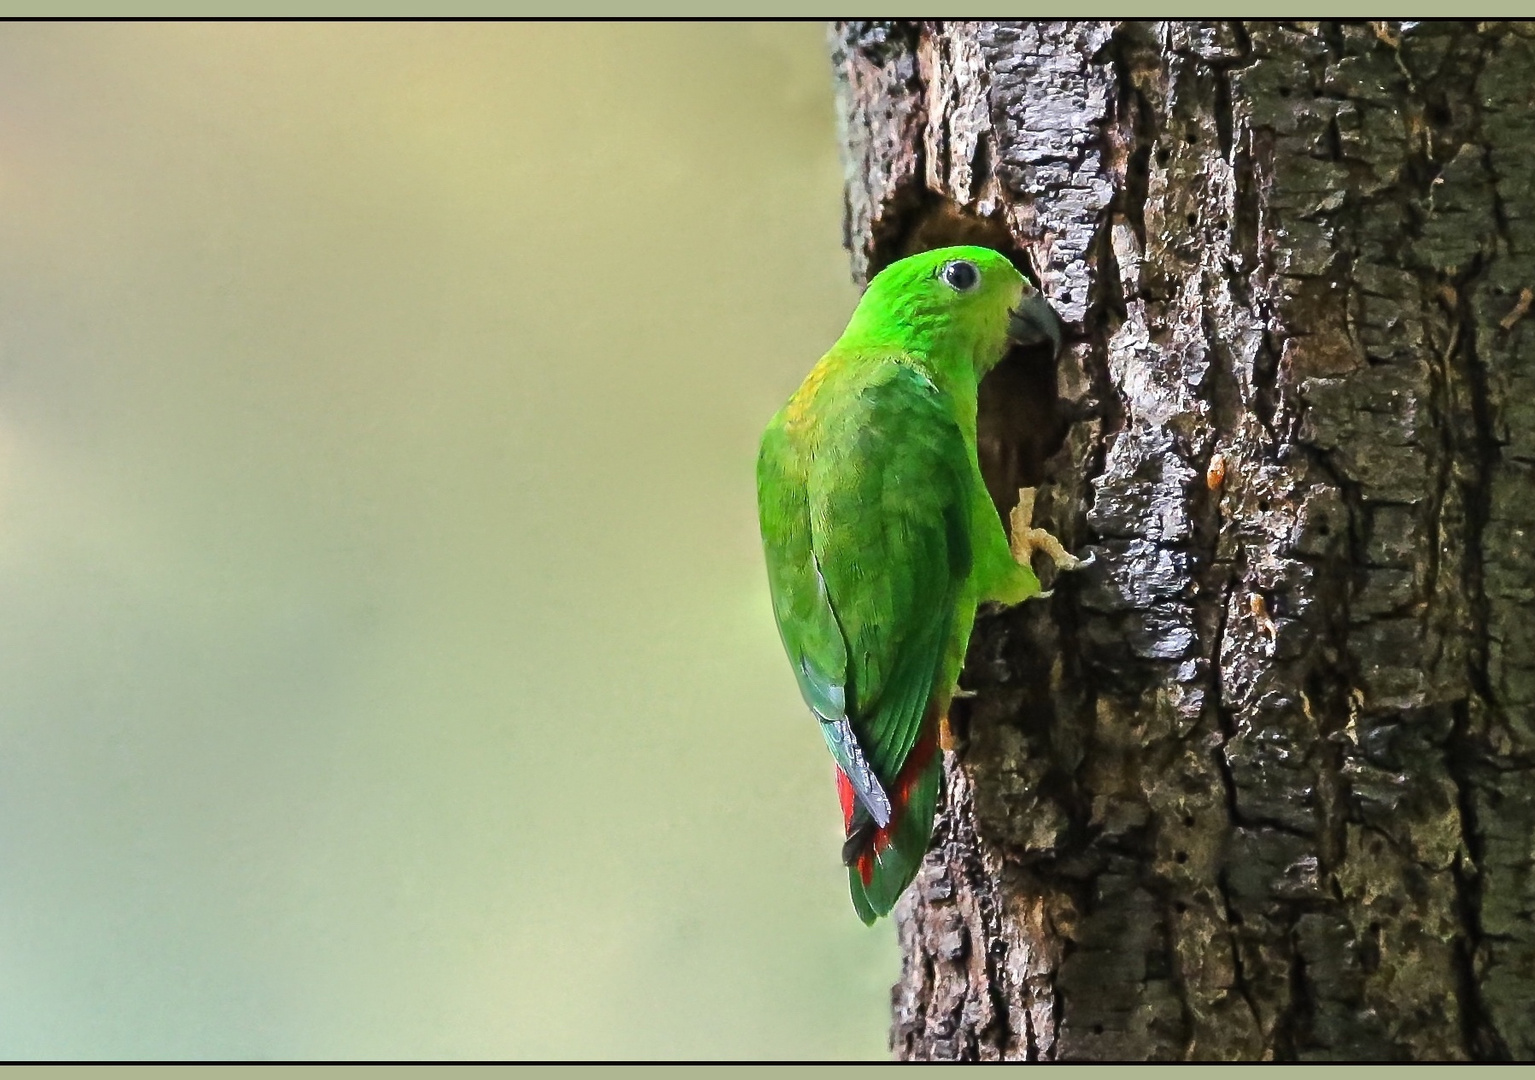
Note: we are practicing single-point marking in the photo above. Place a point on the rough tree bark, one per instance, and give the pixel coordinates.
(1261, 783)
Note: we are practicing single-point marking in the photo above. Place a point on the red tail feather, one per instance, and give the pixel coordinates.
(900, 797)
(846, 797)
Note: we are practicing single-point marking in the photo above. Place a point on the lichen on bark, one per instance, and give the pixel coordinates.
(1261, 782)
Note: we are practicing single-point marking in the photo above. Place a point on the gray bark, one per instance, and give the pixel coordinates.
(1261, 782)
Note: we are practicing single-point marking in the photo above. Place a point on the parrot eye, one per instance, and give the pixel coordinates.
(960, 275)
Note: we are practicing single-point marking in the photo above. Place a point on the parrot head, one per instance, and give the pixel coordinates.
(956, 301)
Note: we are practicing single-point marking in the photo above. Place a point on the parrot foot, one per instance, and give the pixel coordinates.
(1026, 539)
(960, 694)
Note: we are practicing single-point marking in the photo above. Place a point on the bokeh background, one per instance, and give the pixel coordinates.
(386, 668)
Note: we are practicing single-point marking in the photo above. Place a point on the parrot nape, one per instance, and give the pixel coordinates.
(881, 539)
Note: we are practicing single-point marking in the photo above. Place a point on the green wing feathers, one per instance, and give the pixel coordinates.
(805, 620)
(888, 512)
(863, 497)
(807, 624)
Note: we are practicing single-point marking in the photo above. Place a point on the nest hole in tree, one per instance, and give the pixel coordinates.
(1020, 423)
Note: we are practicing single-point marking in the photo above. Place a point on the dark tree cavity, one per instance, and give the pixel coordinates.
(1261, 782)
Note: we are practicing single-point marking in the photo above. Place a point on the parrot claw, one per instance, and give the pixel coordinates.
(1026, 539)
(961, 694)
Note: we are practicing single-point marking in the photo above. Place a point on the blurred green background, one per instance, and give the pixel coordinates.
(386, 668)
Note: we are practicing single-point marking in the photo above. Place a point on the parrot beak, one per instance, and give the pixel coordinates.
(1034, 322)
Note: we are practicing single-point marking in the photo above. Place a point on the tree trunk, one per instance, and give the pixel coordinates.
(1260, 783)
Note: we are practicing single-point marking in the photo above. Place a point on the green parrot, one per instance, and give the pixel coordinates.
(881, 539)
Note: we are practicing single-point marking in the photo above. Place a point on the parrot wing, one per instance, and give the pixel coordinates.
(889, 520)
(806, 622)
(867, 546)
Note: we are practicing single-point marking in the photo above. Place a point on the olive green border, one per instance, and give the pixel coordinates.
(750, 1071)
(693, 9)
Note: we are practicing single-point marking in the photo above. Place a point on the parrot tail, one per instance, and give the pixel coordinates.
(882, 861)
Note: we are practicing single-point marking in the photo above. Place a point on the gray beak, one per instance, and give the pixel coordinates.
(1035, 322)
